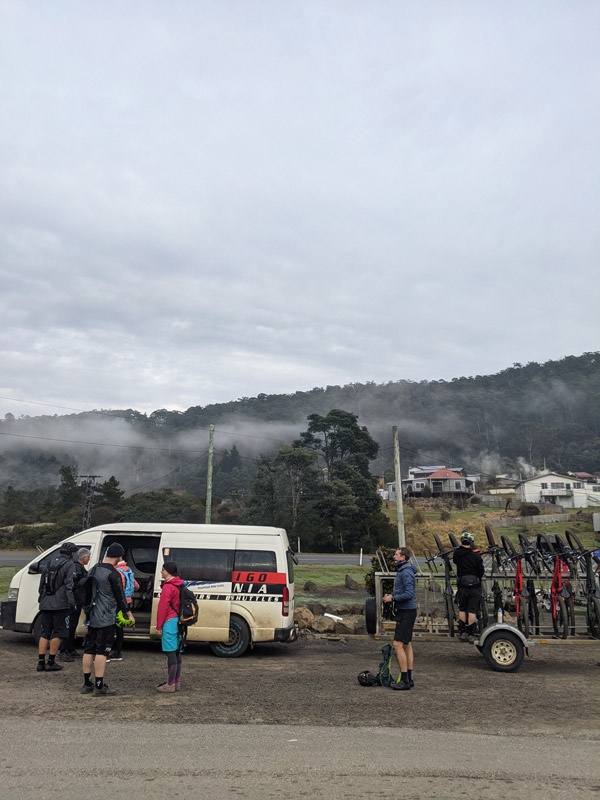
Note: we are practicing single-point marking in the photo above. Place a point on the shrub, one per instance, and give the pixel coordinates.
(418, 517)
(528, 510)
(445, 515)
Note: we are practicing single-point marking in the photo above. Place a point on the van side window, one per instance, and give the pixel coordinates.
(255, 560)
(199, 564)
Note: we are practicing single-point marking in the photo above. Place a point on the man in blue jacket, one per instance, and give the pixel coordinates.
(405, 609)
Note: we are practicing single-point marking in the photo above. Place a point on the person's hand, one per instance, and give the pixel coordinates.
(159, 631)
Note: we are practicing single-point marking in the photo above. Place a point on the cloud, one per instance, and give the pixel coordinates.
(211, 201)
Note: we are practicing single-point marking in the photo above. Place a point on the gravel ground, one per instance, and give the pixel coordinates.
(313, 682)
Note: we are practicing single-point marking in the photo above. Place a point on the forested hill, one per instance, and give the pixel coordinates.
(533, 414)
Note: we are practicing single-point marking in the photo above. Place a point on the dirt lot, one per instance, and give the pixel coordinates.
(556, 691)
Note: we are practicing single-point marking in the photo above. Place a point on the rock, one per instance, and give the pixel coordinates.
(434, 586)
(351, 584)
(324, 625)
(361, 626)
(304, 617)
(346, 626)
(310, 586)
(318, 609)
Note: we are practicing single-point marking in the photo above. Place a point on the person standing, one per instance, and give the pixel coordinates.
(67, 650)
(469, 570)
(167, 625)
(129, 586)
(57, 604)
(404, 596)
(108, 598)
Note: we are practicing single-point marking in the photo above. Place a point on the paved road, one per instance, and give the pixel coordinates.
(267, 761)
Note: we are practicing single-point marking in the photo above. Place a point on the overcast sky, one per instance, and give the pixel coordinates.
(201, 201)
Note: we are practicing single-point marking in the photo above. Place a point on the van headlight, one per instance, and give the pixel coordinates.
(13, 594)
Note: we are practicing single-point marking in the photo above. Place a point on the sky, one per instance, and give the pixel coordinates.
(202, 201)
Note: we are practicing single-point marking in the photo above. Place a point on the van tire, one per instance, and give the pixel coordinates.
(36, 628)
(239, 639)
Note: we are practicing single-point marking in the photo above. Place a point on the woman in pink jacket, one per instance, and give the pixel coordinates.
(167, 624)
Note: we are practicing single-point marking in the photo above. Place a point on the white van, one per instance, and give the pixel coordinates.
(243, 577)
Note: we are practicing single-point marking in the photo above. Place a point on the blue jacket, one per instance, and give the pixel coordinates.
(405, 594)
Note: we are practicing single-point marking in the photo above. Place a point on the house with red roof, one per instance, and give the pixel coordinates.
(436, 481)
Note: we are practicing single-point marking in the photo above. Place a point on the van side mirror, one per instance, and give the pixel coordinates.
(34, 568)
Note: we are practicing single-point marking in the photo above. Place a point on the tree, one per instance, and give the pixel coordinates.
(70, 494)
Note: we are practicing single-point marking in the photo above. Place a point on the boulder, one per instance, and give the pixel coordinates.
(351, 584)
(324, 625)
(310, 586)
(361, 626)
(346, 626)
(304, 617)
(318, 609)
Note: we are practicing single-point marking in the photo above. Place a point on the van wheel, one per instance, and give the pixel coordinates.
(239, 639)
(36, 628)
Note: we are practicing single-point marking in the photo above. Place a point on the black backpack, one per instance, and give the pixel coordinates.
(85, 591)
(49, 583)
(188, 607)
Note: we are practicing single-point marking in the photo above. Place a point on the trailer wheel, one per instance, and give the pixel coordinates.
(371, 615)
(503, 651)
(239, 639)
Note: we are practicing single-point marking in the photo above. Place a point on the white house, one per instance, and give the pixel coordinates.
(562, 490)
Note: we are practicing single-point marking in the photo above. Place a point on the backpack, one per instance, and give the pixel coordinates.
(127, 573)
(49, 583)
(384, 676)
(188, 607)
(85, 591)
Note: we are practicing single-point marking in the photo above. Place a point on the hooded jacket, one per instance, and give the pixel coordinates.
(404, 594)
(63, 596)
(170, 601)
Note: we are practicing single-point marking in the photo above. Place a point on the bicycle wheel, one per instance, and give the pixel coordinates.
(490, 535)
(560, 622)
(534, 611)
(570, 603)
(450, 614)
(593, 617)
(523, 618)
(508, 546)
(483, 613)
(439, 544)
(453, 540)
(574, 540)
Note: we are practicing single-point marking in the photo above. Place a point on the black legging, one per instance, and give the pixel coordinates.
(173, 667)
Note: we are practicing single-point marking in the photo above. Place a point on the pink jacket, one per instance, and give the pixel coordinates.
(169, 602)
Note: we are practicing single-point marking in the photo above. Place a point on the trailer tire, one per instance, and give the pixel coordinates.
(239, 639)
(371, 615)
(503, 651)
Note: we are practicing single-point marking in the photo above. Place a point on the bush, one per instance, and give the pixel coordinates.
(388, 554)
(418, 517)
(528, 510)
(445, 516)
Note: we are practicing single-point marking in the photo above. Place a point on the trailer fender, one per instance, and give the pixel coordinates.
(503, 626)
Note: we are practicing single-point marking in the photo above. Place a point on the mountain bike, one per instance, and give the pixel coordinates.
(555, 565)
(520, 588)
(585, 561)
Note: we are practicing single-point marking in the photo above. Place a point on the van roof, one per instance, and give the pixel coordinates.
(176, 527)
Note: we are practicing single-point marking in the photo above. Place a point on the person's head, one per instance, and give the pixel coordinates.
(114, 553)
(467, 539)
(68, 549)
(401, 554)
(169, 569)
(83, 556)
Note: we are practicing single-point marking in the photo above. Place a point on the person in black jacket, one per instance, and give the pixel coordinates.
(470, 571)
(67, 650)
(56, 602)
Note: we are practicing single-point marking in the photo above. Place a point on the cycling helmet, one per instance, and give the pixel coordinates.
(68, 548)
(366, 678)
(467, 538)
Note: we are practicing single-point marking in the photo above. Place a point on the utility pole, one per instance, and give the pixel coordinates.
(209, 472)
(89, 482)
(399, 505)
